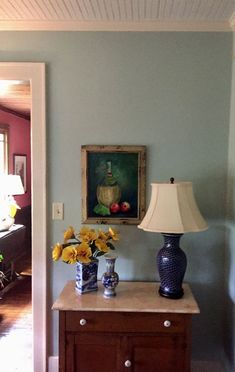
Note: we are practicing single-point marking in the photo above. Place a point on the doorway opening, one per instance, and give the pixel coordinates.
(15, 225)
(35, 74)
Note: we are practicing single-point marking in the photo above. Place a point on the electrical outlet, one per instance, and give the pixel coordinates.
(57, 211)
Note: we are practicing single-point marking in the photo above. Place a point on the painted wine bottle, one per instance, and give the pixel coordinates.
(108, 192)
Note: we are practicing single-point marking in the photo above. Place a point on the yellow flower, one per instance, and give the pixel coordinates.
(68, 234)
(87, 235)
(12, 210)
(84, 246)
(69, 254)
(57, 250)
(83, 253)
(102, 235)
(113, 234)
(101, 245)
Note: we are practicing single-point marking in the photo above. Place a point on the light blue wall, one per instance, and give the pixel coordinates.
(168, 91)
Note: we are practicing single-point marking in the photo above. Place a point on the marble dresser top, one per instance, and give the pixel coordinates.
(131, 297)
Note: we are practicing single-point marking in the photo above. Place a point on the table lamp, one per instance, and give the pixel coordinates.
(9, 185)
(172, 211)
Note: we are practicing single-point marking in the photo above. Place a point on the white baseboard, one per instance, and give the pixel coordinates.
(196, 366)
(53, 364)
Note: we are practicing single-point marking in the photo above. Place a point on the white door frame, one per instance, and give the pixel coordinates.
(35, 73)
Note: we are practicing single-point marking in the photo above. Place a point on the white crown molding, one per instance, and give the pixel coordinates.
(194, 26)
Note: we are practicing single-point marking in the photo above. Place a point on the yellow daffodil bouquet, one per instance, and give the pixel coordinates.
(84, 246)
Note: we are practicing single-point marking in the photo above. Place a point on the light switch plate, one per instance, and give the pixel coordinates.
(57, 211)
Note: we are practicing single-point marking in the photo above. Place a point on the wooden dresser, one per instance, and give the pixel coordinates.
(136, 331)
(12, 247)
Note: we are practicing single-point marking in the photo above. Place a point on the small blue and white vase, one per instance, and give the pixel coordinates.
(86, 276)
(110, 278)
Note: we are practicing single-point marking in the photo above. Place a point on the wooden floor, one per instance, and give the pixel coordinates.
(16, 328)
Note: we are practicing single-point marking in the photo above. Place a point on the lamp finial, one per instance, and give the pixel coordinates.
(172, 180)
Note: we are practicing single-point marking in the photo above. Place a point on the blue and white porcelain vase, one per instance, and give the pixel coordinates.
(110, 278)
(86, 276)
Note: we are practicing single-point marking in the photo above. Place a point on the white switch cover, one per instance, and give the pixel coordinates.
(57, 211)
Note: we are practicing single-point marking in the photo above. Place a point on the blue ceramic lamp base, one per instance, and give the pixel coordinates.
(171, 263)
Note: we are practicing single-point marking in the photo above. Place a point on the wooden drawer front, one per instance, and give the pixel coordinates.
(89, 321)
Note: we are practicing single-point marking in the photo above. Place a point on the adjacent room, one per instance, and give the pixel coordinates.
(15, 223)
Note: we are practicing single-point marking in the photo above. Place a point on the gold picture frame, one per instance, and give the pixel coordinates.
(113, 184)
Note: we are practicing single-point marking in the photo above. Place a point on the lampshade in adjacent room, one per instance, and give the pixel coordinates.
(10, 185)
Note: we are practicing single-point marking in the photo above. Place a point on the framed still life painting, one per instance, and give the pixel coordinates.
(113, 184)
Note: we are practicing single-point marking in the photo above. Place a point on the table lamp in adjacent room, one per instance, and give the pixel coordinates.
(10, 185)
(172, 211)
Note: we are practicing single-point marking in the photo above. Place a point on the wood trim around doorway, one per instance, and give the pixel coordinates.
(35, 73)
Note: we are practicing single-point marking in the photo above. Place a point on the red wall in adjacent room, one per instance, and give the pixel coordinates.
(19, 143)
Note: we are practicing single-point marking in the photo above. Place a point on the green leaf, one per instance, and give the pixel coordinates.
(102, 210)
(110, 245)
(100, 254)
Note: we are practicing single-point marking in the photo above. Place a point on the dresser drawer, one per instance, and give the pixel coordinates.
(89, 321)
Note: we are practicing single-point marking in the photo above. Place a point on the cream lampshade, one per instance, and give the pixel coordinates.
(9, 185)
(172, 211)
(13, 185)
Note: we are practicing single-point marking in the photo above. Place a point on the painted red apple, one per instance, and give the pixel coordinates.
(125, 206)
(114, 208)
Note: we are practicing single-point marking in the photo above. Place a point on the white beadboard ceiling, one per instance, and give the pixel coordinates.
(118, 15)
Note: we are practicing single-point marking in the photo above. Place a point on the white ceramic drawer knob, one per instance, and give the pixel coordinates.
(167, 323)
(127, 363)
(82, 322)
